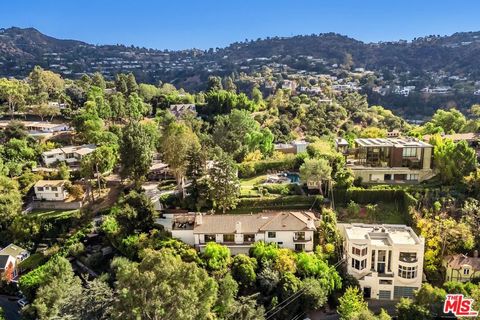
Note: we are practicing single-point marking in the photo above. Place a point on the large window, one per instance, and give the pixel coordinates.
(466, 271)
(248, 238)
(210, 237)
(408, 256)
(407, 272)
(359, 265)
(228, 238)
(272, 234)
(412, 177)
(359, 251)
(409, 152)
(299, 236)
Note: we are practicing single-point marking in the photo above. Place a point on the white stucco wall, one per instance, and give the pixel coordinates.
(50, 195)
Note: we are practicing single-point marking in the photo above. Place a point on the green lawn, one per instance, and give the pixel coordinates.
(247, 185)
(384, 213)
(53, 214)
(33, 261)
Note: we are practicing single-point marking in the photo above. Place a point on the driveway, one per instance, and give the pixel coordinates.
(10, 308)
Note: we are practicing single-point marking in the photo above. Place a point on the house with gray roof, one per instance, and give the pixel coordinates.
(10, 258)
(289, 229)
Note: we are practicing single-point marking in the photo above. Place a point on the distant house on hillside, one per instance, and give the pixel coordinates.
(293, 147)
(10, 258)
(39, 127)
(179, 110)
(294, 230)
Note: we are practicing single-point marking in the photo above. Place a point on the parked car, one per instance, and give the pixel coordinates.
(22, 302)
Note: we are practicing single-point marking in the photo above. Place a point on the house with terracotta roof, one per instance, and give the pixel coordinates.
(462, 268)
(289, 229)
(10, 258)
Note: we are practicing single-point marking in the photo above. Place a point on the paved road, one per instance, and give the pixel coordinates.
(10, 308)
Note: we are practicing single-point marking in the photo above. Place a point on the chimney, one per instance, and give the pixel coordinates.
(475, 254)
(238, 227)
(310, 224)
(199, 219)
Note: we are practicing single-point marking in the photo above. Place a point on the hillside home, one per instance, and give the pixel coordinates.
(471, 138)
(294, 230)
(462, 268)
(70, 154)
(51, 190)
(390, 160)
(10, 258)
(293, 147)
(387, 260)
(39, 127)
(179, 110)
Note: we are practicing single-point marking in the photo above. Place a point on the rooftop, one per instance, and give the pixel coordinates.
(12, 250)
(50, 183)
(457, 261)
(253, 223)
(83, 150)
(391, 142)
(381, 234)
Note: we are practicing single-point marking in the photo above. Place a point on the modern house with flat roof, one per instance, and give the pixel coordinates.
(390, 160)
(387, 260)
(70, 154)
(294, 230)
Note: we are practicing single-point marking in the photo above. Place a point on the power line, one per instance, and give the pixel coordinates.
(291, 299)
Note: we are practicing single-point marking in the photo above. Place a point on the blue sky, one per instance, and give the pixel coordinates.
(185, 24)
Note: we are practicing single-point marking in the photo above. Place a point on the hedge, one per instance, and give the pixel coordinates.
(281, 188)
(254, 168)
(286, 201)
(401, 198)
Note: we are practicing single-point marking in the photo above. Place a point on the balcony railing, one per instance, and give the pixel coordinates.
(301, 239)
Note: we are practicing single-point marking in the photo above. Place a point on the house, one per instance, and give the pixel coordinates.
(462, 268)
(179, 110)
(39, 127)
(341, 145)
(70, 154)
(294, 147)
(51, 190)
(391, 160)
(294, 230)
(387, 260)
(289, 85)
(471, 138)
(10, 258)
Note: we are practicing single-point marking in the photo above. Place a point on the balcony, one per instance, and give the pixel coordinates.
(301, 239)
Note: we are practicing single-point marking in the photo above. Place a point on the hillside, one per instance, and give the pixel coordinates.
(451, 62)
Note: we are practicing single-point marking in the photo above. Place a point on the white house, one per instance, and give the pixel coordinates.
(70, 154)
(294, 230)
(386, 259)
(51, 190)
(10, 258)
(294, 147)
